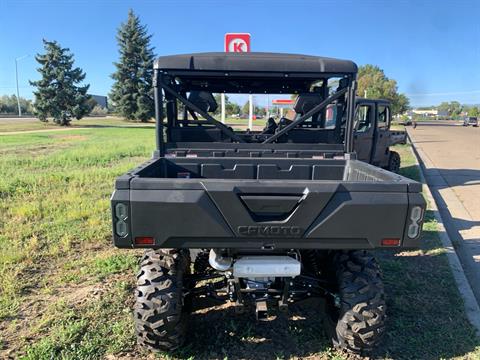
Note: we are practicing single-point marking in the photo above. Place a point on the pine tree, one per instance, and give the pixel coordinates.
(58, 93)
(132, 92)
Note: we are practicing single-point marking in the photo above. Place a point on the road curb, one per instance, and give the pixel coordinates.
(472, 308)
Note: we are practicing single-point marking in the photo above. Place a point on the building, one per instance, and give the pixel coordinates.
(426, 112)
(100, 100)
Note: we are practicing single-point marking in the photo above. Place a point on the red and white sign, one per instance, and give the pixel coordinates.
(283, 102)
(237, 42)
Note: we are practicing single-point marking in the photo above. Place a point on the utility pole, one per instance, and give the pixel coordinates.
(250, 112)
(268, 107)
(16, 78)
(222, 96)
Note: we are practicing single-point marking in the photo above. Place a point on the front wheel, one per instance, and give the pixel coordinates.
(356, 320)
(160, 317)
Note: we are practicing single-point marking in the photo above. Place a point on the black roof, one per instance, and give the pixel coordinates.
(255, 61)
(365, 100)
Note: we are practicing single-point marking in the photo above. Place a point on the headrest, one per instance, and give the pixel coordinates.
(204, 100)
(306, 102)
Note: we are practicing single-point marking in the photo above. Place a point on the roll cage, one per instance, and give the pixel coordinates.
(177, 78)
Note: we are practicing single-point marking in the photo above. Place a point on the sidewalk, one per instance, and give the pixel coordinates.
(454, 181)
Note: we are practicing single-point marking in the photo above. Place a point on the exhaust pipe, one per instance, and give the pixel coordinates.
(219, 262)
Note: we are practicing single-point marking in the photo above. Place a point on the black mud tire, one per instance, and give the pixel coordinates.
(394, 162)
(357, 325)
(160, 317)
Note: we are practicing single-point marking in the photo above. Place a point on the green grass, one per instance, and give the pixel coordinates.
(54, 200)
(397, 127)
(66, 293)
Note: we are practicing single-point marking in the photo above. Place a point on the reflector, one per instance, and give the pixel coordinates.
(416, 213)
(144, 240)
(121, 211)
(121, 228)
(390, 242)
(413, 230)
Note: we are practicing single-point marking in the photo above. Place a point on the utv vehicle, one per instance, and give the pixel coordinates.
(373, 137)
(260, 219)
(471, 120)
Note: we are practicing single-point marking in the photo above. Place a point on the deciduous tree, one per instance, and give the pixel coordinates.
(374, 84)
(246, 108)
(474, 111)
(453, 108)
(232, 108)
(9, 105)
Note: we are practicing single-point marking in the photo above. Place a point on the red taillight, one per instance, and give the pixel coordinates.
(144, 240)
(390, 242)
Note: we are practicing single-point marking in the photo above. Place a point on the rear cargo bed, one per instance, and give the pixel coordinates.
(265, 203)
(264, 169)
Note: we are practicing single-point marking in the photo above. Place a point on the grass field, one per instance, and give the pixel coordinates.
(32, 124)
(8, 125)
(67, 294)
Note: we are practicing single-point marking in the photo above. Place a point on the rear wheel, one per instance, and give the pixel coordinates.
(394, 162)
(356, 320)
(160, 319)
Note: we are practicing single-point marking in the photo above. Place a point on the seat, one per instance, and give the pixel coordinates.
(306, 102)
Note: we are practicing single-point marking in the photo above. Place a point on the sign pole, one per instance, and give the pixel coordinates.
(281, 103)
(238, 42)
(223, 107)
(16, 78)
(268, 106)
(250, 112)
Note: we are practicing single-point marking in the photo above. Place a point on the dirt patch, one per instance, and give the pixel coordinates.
(15, 328)
(299, 334)
(68, 137)
(131, 357)
(79, 295)
(40, 293)
(26, 326)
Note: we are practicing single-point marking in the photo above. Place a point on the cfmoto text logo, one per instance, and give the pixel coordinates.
(269, 231)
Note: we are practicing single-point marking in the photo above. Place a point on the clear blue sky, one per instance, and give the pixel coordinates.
(432, 48)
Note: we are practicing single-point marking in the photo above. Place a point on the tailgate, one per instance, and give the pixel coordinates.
(205, 213)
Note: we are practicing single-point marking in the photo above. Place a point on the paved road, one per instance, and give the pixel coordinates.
(16, 119)
(451, 155)
(41, 130)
